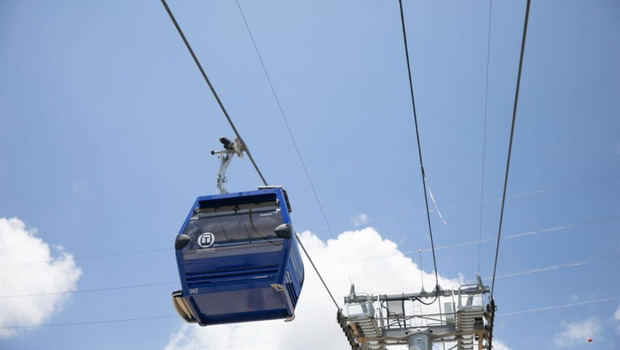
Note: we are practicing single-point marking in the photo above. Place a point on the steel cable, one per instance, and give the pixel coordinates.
(417, 134)
(512, 130)
(285, 119)
(484, 130)
(246, 148)
(217, 98)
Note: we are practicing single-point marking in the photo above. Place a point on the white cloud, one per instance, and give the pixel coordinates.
(498, 345)
(577, 332)
(51, 273)
(359, 220)
(374, 264)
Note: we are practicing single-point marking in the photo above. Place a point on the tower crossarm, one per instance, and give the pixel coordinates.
(469, 290)
(457, 316)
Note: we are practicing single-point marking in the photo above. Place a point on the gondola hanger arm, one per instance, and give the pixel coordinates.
(231, 148)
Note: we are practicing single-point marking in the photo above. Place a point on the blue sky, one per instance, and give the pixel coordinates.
(106, 128)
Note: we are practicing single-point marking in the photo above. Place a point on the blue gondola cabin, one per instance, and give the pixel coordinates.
(238, 259)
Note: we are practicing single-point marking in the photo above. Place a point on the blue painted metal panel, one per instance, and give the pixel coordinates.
(234, 267)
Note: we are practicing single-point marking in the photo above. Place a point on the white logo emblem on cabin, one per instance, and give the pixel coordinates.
(206, 240)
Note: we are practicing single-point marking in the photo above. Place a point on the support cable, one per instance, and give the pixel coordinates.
(484, 130)
(204, 75)
(536, 232)
(317, 271)
(217, 98)
(528, 233)
(508, 197)
(417, 134)
(146, 318)
(562, 306)
(512, 130)
(285, 119)
(88, 290)
(93, 322)
(548, 268)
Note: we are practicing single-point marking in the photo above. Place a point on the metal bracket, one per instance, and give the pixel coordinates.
(225, 156)
(374, 322)
(280, 288)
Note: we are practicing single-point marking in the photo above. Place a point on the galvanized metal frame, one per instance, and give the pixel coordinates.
(466, 323)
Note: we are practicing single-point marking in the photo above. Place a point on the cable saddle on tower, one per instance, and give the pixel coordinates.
(373, 322)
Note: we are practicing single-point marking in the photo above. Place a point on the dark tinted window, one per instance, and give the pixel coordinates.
(246, 226)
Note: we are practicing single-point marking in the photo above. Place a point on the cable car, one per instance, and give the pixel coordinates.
(238, 259)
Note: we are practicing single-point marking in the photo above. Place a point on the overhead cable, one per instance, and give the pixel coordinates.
(93, 322)
(91, 257)
(512, 131)
(484, 130)
(145, 285)
(498, 199)
(146, 318)
(285, 119)
(317, 272)
(562, 306)
(526, 233)
(554, 267)
(88, 290)
(217, 98)
(548, 268)
(442, 247)
(355, 260)
(417, 134)
(204, 75)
